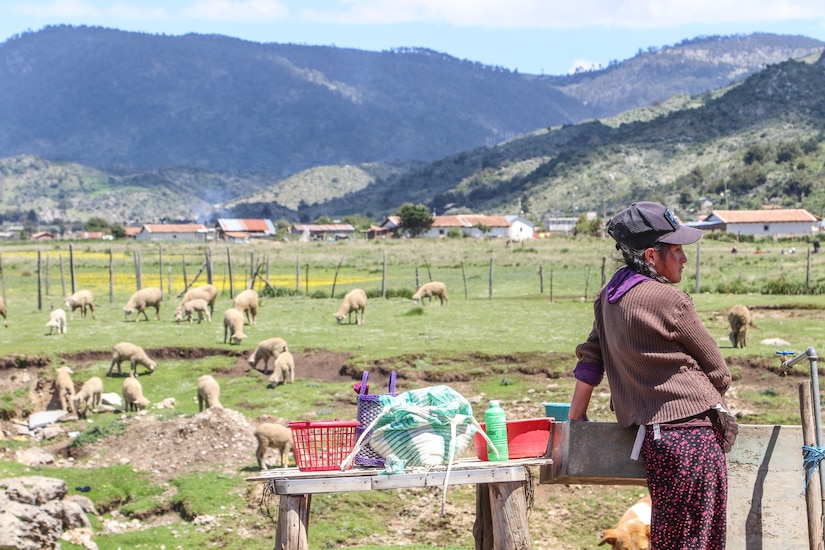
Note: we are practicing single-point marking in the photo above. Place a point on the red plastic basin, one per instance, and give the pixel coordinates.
(525, 438)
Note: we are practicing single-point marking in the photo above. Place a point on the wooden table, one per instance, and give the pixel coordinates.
(501, 501)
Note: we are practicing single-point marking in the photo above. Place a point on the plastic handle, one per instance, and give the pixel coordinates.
(392, 383)
(363, 389)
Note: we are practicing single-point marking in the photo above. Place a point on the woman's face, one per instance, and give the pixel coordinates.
(668, 261)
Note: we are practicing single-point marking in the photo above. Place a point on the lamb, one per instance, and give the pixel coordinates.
(133, 398)
(275, 436)
(89, 395)
(82, 300)
(233, 326)
(428, 290)
(57, 321)
(739, 318)
(150, 296)
(205, 292)
(633, 530)
(187, 310)
(65, 387)
(3, 311)
(355, 300)
(284, 370)
(124, 351)
(209, 393)
(247, 302)
(267, 349)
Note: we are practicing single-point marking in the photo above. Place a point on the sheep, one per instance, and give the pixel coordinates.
(205, 292)
(124, 351)
(65, 387)
(267, 349)
(3, 311)
(284, 371)
(355, 300)
(209, 393)
(429, 290)
(187, 310)
(275, 436)
(247, 302)
(150, 296)
(57, 321)
(133, 398)
(83, 300)
(233, 326)
(89, 395)
(739, 318)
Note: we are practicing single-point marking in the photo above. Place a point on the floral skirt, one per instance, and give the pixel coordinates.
(688, 482)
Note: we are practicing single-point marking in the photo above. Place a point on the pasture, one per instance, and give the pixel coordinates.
(514, 317)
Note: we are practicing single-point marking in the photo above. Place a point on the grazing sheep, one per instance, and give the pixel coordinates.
(739, 318)
(275, 436)
(205, 292)
(267, 349)
(124, 351)
(150, 296)
(233, 326)
(133, 395)
(187, 310)
(65, 387)
(428, 290)
(355, 300)
(247, 301)
(209, 393)
(82, 300)
(284, 370)
(3, 311)
(57, 321)
(88, 396)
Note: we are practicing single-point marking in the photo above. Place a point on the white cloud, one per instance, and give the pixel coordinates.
(583, 65)
(58, 8)
(237, 10)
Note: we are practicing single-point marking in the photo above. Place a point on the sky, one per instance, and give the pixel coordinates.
(529, 36)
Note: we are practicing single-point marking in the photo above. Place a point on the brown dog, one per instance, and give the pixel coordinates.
(633, 530)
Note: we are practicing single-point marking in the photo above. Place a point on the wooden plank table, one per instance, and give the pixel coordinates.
(501, 501)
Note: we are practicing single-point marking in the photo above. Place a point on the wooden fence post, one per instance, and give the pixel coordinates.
(306, 282)
(335, 278)
(586, 282)
(464, 278)
(541, 278)
(138, 272)
(209, 273)
(185, 277)
(604, 272)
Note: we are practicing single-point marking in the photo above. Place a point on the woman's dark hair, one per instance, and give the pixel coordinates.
(635, 259)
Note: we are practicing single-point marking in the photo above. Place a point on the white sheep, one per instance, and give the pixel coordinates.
(247, 302)
(65, 387)
(233, 326)
(3, 311)
(150, 296)
(88, 396)
(205, 292)
(739, 317)
(188, 310)
(284, 370)
(354, 301)
(133, 398)
(57, 321)
(428, 290)
(275, 436)
(124, 351)
(82, 300)
(209, 393)
(266, 350)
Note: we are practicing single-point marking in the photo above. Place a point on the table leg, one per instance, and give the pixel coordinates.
(293, 522)
(501, 517)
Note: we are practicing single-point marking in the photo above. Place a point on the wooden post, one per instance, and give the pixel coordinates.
(490, 289)
(62, 274)
(252, 270)
(306, 282)
(111, 277)
(169, 284)
(231, 281)
(335, 278)
(501, 517)
(417, 279)
(813, 502)
(71, 267)
(39, 282)
(541, 278)
(185, 277)
(429, 273)
(464, 277)
(698, 262)
(586, 282)
(604, 271)
(293, 522)
(209, 272)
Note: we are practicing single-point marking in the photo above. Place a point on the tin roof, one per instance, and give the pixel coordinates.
(172, 227)
(246, 225)
(795, 215)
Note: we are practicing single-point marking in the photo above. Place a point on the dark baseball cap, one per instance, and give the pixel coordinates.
(643, 224)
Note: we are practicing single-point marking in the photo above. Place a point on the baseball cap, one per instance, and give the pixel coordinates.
(643, 224)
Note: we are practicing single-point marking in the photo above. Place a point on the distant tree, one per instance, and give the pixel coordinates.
(592, 228)
(322, 220)
(415, 219)
(117, 231)
(525, 204)
(96, 223)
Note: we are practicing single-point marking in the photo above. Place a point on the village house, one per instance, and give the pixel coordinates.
(322, 231)
(774, 223)
(241, 230)
(172, 232)
(469, 225)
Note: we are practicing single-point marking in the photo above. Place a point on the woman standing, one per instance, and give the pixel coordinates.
(666, 376)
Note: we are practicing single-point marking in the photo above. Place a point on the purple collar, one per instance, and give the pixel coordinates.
(623, 280)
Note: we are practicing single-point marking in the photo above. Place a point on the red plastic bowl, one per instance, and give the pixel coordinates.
(525, 438)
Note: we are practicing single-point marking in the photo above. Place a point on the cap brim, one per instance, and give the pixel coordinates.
(682, 235)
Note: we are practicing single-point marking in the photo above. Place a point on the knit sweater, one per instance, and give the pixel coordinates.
(662, 365)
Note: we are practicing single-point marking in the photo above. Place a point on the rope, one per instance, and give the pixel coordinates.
(812, 456)
(268, 495)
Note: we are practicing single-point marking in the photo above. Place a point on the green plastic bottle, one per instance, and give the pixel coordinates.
(495, 424)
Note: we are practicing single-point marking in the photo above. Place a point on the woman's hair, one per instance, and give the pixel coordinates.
(634, 258)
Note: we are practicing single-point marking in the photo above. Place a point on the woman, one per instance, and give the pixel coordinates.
(666, 375)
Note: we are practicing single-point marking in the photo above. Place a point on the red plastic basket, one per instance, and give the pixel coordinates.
(322, 444)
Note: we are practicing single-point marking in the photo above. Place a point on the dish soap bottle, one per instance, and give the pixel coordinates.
(495, 424)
